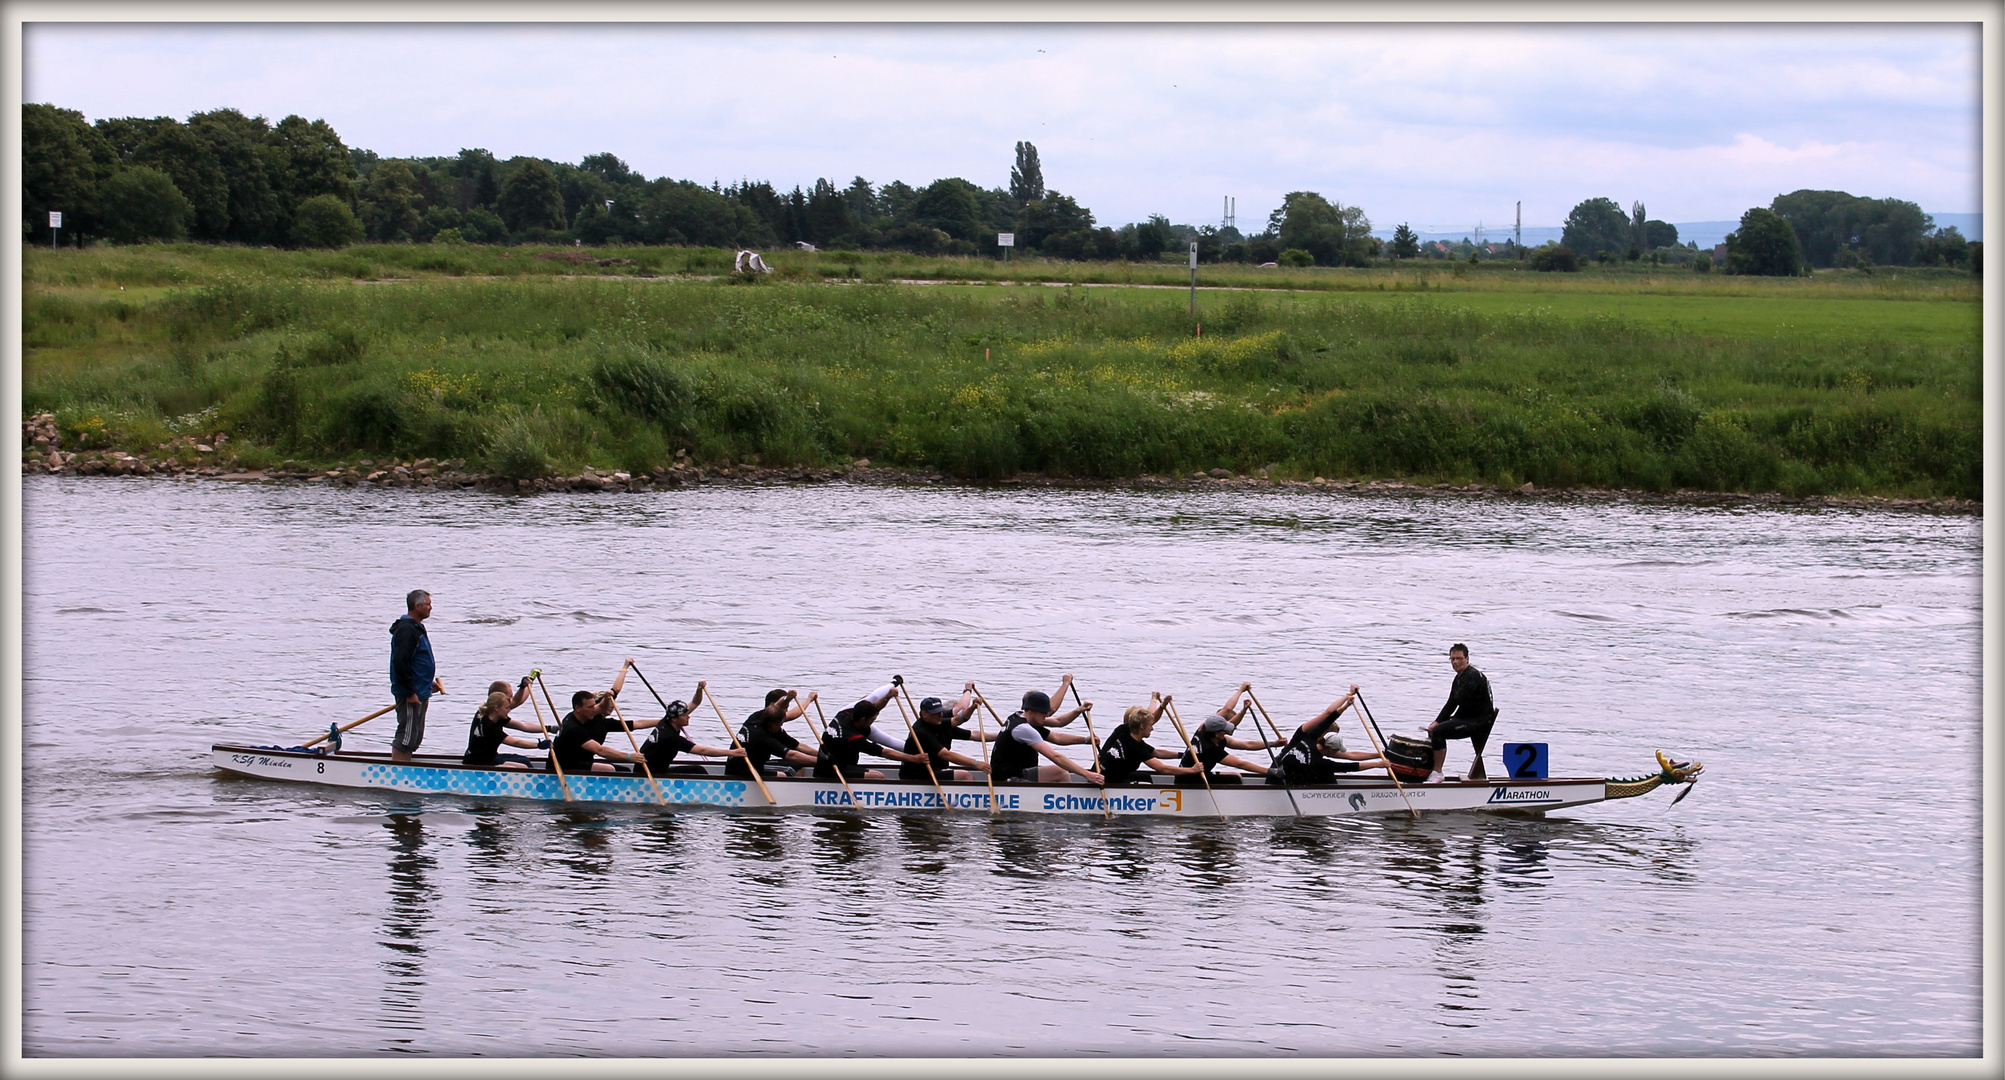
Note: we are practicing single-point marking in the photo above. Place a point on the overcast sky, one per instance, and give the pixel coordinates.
(1437, 126)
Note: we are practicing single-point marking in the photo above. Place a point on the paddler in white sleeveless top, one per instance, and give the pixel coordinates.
(1028, 735)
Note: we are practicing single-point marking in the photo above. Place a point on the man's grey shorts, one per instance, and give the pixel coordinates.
(410, 725)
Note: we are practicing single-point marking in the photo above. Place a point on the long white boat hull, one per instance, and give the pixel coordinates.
(446, 776)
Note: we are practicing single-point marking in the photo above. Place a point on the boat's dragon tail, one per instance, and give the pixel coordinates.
(1668, 772)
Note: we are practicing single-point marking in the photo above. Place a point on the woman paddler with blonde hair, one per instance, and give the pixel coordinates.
(491, 724)
(1125, 752)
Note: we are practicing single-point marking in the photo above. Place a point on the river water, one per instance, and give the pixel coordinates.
(1818, 892)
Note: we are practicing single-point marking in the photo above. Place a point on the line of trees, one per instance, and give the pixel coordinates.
(223, 177)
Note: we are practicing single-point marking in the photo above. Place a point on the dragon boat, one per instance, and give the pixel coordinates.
(1159, 797)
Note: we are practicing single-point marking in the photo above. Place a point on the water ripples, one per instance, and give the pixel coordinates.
(1793, 905)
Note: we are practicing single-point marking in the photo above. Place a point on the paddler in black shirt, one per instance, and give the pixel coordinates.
(1469, 715)
(1214, 744)
(855, 732)
(1315, 753)
(491, 724)
(669, 739)
(1125, 752)
(939, 725)
(763, 738)
(581, 738)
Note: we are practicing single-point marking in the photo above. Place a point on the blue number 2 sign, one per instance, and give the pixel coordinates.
(1525, 760)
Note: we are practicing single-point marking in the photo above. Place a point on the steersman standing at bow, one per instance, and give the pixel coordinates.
(413, 674)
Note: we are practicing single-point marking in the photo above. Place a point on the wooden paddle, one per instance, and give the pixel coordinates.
(1370, 724)
(984, 731)
(1087, 714)
(897, 693)
(1195, 760)
(749, 767)
(351, 724)
(1272, 761)
(819, 738)
(554, 767)
(639, 758)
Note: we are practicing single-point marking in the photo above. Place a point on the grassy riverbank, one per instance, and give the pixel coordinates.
(1842, 383)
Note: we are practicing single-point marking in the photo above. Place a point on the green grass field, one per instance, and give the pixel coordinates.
(1615, 377)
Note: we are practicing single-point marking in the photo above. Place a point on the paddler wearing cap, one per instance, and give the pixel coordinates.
(1214, 744)
(1315, 753)
(669, 740)
(854, 732)
(1126, 750)
(939, 725)
(764, 737)
(1028, 735)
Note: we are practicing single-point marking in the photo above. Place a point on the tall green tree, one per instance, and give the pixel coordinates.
(324, 221)
(1332, 233)
(1595, 226)
(141, 203)
(312, 160)
(951, 205)
(530, 198)
(479, 179)
(175, 149)
(1405, 245)
(827, 214)
(1026, 178)
(862, 201)
(242, 148)
(392, 203)
(1764, 245)
(63, 162)
(1053, 215)
(1888, 231)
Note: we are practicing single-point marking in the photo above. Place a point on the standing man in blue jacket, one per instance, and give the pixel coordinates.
(413, 678)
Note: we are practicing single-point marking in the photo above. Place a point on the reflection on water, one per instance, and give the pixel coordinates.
(1628, 928)
(406, 922)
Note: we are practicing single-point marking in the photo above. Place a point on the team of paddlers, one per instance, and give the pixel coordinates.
(1022, 747)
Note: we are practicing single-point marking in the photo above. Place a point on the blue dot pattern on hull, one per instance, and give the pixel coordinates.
(521, 784)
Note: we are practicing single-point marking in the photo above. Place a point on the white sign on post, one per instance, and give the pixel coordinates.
(1005, 239)
(1193, 254)
(55, 219)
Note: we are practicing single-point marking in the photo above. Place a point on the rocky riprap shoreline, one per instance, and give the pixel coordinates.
(189, 457)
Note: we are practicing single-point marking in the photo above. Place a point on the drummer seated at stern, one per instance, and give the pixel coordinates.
(1469, 714)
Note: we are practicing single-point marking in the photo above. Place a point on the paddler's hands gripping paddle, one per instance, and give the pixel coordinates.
(1093, 741)
(537, 676)
(897, 691)
(638, 758)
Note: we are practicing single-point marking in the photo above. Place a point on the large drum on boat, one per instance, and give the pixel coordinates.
(1409, 758)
